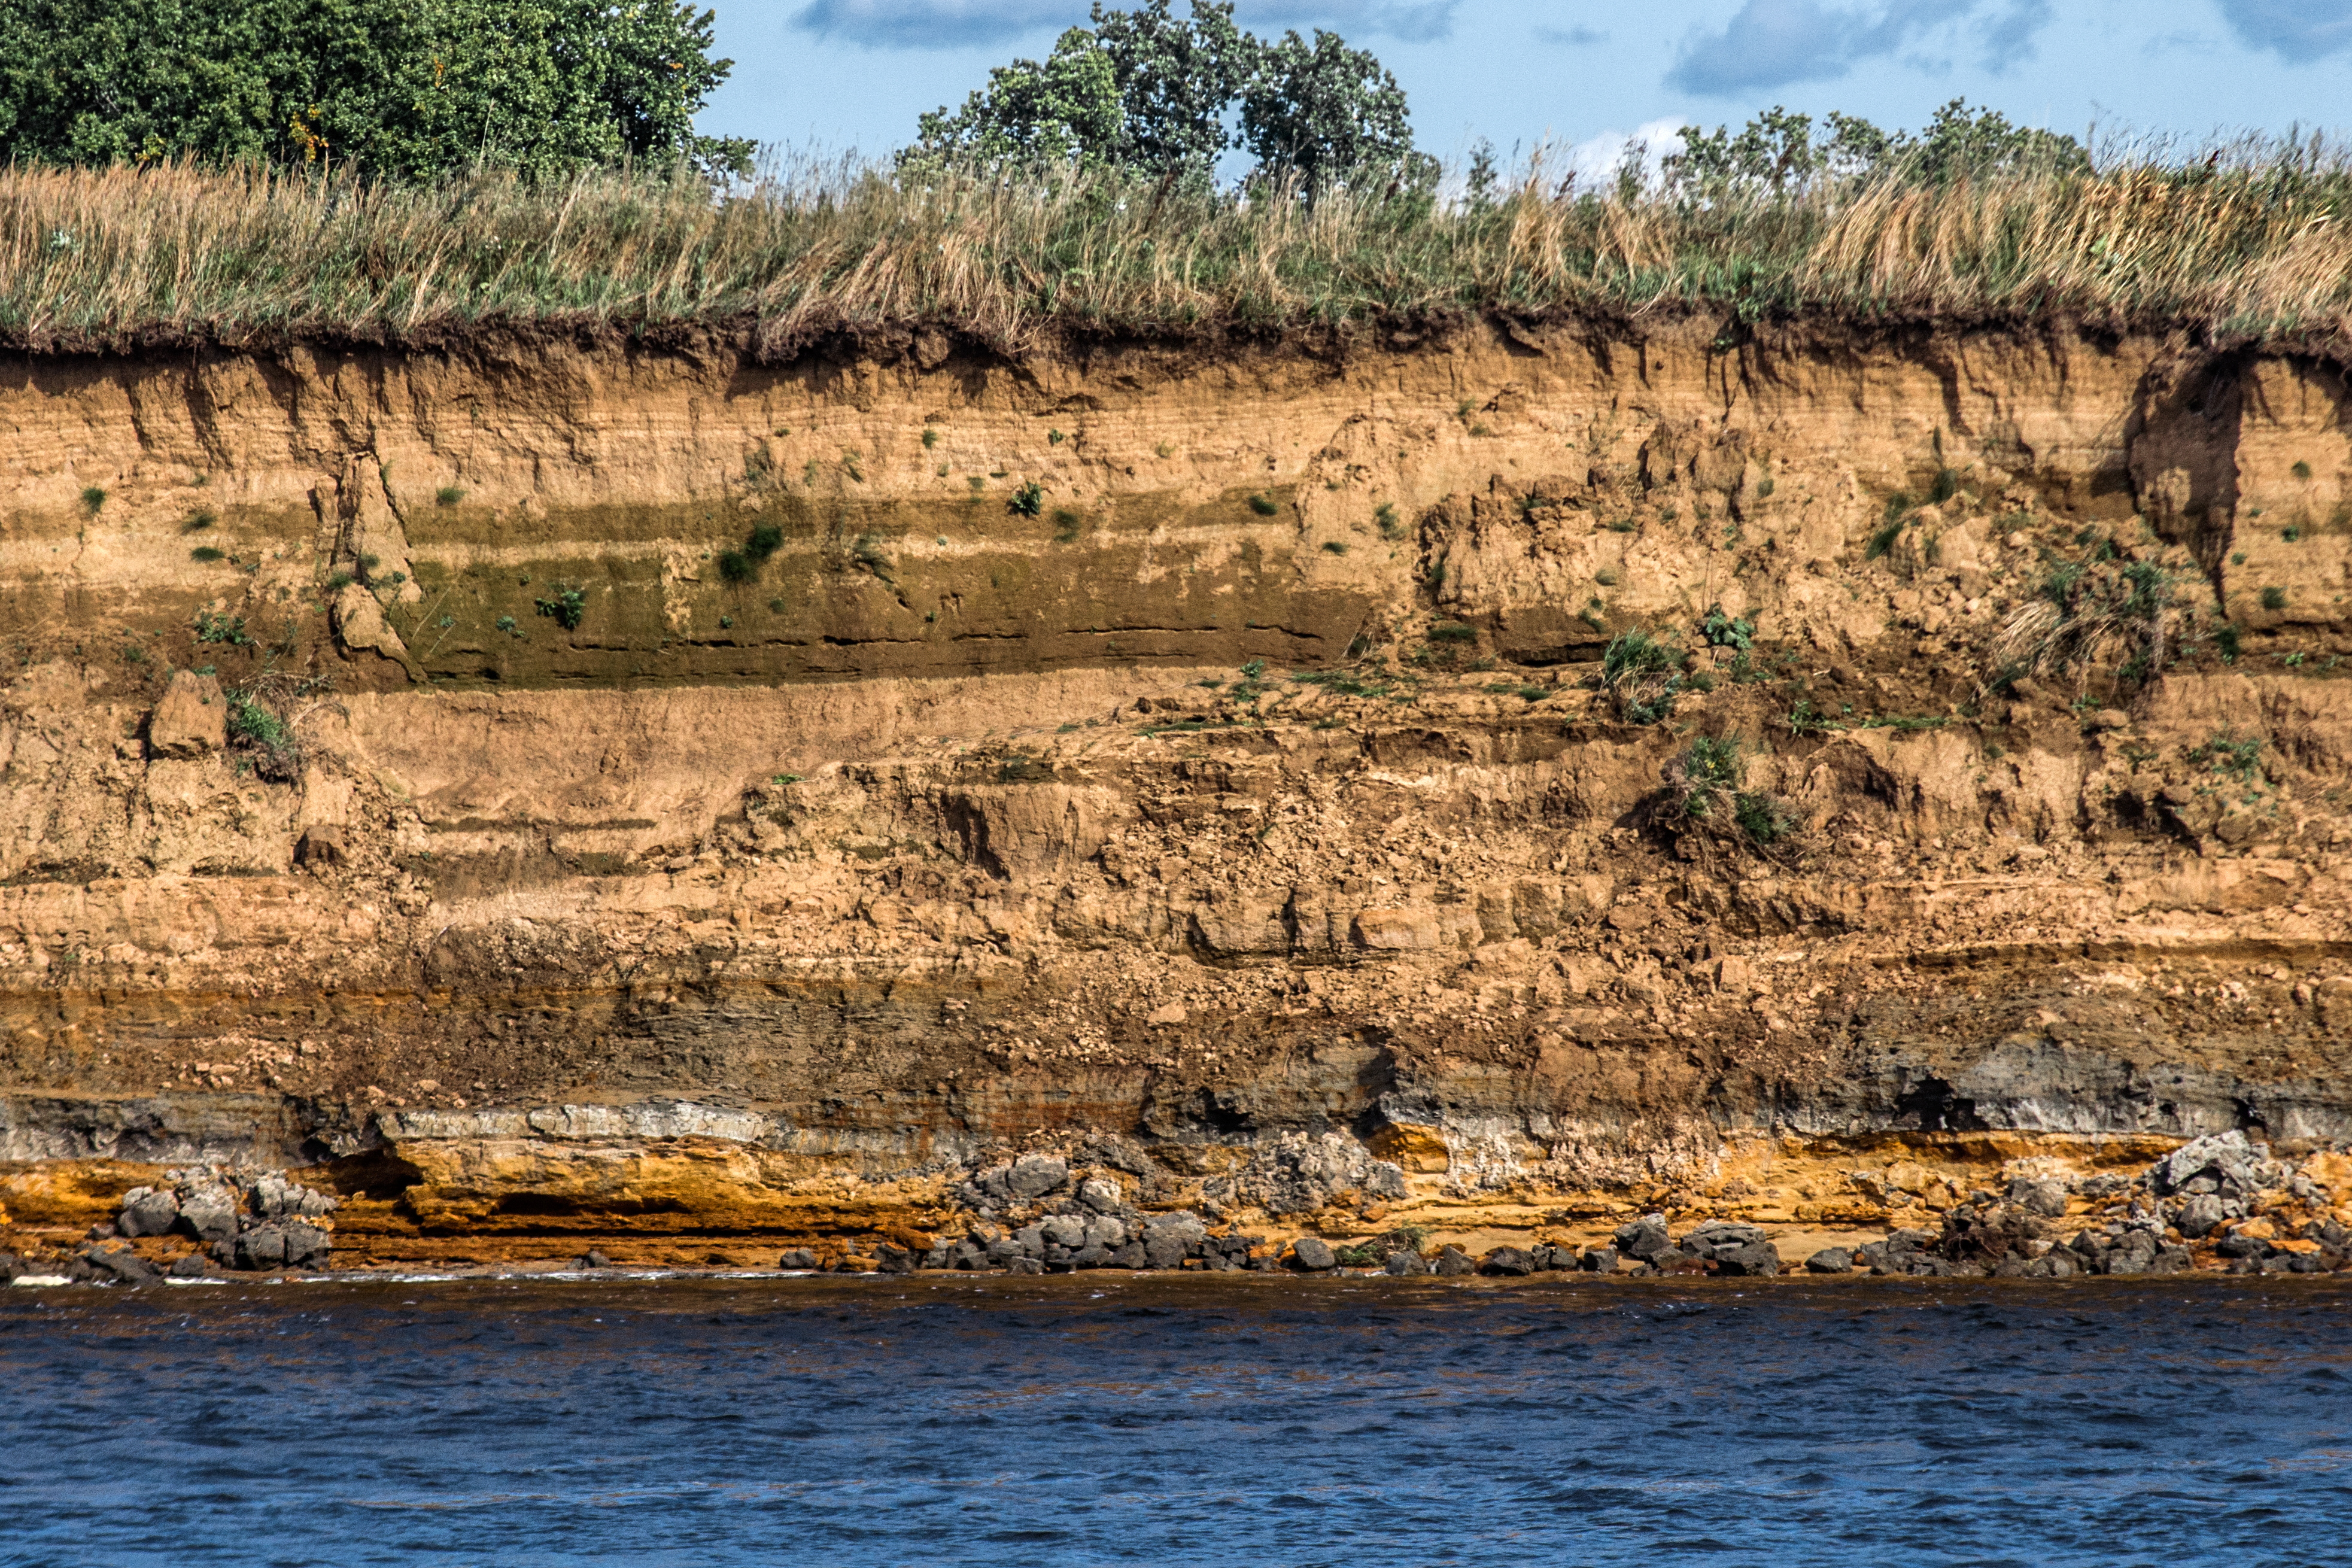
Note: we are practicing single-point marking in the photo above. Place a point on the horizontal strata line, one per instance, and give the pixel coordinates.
(2294, 950)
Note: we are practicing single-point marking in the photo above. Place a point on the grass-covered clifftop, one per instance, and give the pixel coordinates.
(2255, 246)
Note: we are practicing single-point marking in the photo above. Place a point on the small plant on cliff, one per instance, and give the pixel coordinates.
(1722, 631)
(449, 495)
(566, 605)
(1641, 674)
(743, 565)
(868, 554)
(1018, 767)
(222, 629)
(1028, 501)
(1706, 809)
(1385, 516)
(92, 499)
(1263, 504)
(1066, 524)
(207, 553)
(2238, 758)
(258, 725)
(2090, 614)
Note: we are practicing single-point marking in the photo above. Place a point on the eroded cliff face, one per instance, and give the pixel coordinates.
(723, 806)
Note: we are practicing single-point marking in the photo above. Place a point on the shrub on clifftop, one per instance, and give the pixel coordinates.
(400, 87)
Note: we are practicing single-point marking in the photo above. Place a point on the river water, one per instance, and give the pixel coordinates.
(1150, 1418)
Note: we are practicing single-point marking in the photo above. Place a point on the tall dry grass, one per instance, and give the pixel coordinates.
(2255, 245)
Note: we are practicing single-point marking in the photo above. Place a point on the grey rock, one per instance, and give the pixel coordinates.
(1755, 1260)
(1030, 1239)
(593, 1259)
(275, 1197)
(1108, 1232)
(1026, 1265)
(798, 1258)
(1313, 1253)
(1103, 1197)
(2198, 1216)
(2061, 1262)
(1134, 1255)
(1451, 1260)
(1598, 1261)
(10, 1267)
(2046, 1199)
(1553, 1258)
(1182, 1226)
(2228, 1157)
(307, 1245)
(2171, 1260)
(1830, 1260)
(1297, 1173)
(892, 1260)
(1405, 1261)
(1163, 1250)
(195, 1266)
(1092, 1256)
(1065, 1231)
(1644, 1238)
(148, 1211)
(1511, 1260)
(1034, 1175)
(1704, 1239)
(208, 1212)
(1003, 1250)
(123, 1264)
(263, 1247)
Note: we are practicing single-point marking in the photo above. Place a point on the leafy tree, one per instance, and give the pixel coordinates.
(1145, 89)
(400, 87)
(1177, 83)
(1323, 110)
(1777, 151)
(1066, 110)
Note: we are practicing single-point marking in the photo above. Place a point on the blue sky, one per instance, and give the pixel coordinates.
(842, 74)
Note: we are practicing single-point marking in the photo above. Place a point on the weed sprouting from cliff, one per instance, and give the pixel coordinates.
(2092, 614)
(1708, 810)
(566, 605)
(2252, 242)
(1641, 674)
(743, 565)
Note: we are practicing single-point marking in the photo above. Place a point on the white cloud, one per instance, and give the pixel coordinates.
(1596, 161)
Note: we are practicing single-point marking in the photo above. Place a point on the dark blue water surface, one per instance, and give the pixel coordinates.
(1113, 1418)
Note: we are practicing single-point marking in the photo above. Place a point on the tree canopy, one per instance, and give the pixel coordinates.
(1148, 90)
(1780, 150)
(398, 88)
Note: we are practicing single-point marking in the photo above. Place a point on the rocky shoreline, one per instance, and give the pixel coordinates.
(2221, 1204)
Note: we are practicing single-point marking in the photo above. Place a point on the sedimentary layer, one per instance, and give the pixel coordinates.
(564, 794)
